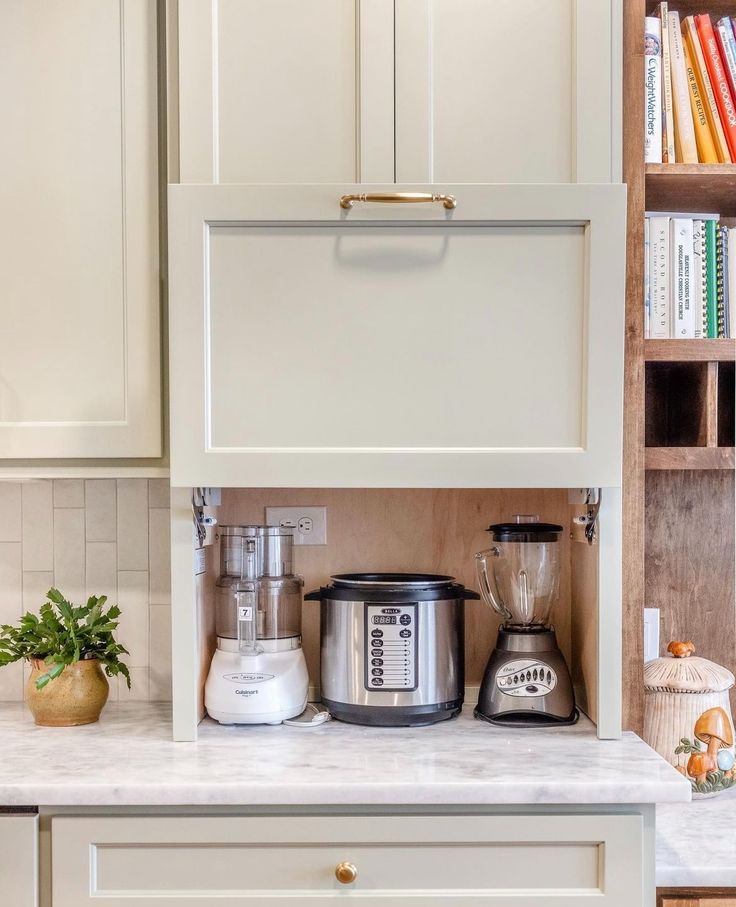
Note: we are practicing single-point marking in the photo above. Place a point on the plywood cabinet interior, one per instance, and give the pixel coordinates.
(79, 281)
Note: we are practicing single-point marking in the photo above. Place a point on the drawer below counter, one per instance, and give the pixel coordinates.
(519, 859)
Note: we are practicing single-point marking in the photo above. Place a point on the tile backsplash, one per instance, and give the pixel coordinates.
(92, 536)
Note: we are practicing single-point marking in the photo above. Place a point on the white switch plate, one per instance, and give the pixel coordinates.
(651, 633)
(309, 524)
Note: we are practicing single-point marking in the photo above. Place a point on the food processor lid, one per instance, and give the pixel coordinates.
(525, 532)
(383, 580)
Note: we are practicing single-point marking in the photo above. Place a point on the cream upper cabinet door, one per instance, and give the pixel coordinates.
(286, 91)
(502, 92)
(79, 279)
(401, 345)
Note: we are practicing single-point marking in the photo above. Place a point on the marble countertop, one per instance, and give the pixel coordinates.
(128, 758)
(696, 843)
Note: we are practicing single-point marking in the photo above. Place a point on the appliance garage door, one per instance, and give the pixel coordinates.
(322, 337)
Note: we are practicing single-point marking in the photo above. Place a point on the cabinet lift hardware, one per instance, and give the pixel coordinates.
(398, 198)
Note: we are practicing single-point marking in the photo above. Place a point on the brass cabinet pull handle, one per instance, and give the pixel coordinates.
(398, 198)
(346, 873)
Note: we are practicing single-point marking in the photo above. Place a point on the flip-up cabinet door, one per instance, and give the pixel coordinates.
(19, 860)
(405, 345)
(79, 279)
(286, 91)
(502, 92)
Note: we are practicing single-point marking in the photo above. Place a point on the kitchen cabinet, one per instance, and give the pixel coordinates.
(426, 861)
(321, 91)
(396, 345)
(79, 278)
(19, 859)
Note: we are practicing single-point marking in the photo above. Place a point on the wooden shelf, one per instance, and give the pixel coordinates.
(691, 187)
(689, 458)
(689, 350)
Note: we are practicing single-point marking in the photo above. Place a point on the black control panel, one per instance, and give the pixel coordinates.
(390, 654)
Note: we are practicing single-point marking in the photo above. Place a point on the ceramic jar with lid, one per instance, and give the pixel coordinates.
(687, 717)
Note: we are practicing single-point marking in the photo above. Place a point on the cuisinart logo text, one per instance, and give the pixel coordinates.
(248, 678)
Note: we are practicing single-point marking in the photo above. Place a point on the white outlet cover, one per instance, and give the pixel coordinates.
(291, 516)
(651, 634)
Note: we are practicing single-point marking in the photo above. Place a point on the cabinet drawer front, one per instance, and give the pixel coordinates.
(392, 347)
(280, 862)
(19, 861)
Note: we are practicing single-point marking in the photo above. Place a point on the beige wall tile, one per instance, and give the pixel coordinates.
(11, 582)
(10, 512)
(139, 686)
(133, 601)
(158, 493)
(100, 507)
(159, 671)
(132, 524)
(38, 527)
(12, 680)
(36, 583)
(159, 556)
(102, 569)
(69, 553)
(68, 492)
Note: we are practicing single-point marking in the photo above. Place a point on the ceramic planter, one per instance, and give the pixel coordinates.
(687, 718)
(76, 696)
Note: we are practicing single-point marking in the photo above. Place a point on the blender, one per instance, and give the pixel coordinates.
(258, 673)
(526, 681)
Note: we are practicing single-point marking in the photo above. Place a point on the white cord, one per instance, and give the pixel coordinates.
(320, 717)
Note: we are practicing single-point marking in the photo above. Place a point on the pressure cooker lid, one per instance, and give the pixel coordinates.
(384, 580)
(525, 532)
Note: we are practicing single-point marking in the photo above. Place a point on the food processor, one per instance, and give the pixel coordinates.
(258, 673)
(526, 681)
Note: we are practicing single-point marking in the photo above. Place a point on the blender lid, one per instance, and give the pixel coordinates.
(402, 580)
(525, 532)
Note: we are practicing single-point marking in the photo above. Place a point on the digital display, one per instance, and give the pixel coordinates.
(384, 619)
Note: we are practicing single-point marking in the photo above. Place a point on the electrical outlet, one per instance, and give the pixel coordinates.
(309, 524)
(651, 633)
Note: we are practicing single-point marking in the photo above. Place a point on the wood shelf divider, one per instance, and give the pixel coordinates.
(689, 350)
(691, 187)
(690, 458)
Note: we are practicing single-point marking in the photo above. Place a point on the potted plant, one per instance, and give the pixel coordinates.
(67, 646)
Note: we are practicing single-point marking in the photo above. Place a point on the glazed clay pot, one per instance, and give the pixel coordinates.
(76, 696)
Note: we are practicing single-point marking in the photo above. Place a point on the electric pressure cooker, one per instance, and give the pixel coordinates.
(392, 647)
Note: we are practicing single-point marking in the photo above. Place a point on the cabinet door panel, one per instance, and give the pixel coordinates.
(79, 353)
(427, 861)
(19, 860)
(380, 347)
(284, 92)
(486, 92)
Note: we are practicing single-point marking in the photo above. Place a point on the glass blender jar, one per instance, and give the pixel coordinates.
(526, 681)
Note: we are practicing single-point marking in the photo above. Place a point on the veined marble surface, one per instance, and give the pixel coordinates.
(128, 758)
(696, 843)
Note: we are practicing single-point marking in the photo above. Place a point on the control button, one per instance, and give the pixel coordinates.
(516, 678)
(377, 661)
(377, 672)
(534, 674)
(405, 619)
(376, 681)
(404, 634)
(532, 688)
(549, 677)
(376, 632)
(377, 652)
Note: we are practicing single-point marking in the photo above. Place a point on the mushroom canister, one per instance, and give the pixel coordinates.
(687, 717)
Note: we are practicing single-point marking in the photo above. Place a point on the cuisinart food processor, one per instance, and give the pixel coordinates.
(526, 681)
(392, 647)
(258, 673)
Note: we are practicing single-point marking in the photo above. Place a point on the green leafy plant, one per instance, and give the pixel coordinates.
(63, 633)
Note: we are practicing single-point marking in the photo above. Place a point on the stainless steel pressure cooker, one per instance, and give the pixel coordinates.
(392, 647)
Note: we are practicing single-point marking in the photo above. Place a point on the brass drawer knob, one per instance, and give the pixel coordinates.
(346, 873)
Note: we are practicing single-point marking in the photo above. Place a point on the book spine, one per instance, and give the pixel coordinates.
(685, 147)
(652, 90)
(699, 295)
(692, 40)
(681, 266)
(659, 270)
(647, 282)
(723, 283)
(731, 277)
(668, 122)
(727, 47)
(711, 278)
(719, 80)
(703, 139)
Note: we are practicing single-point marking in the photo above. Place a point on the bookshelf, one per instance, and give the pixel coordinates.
(679, 458)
